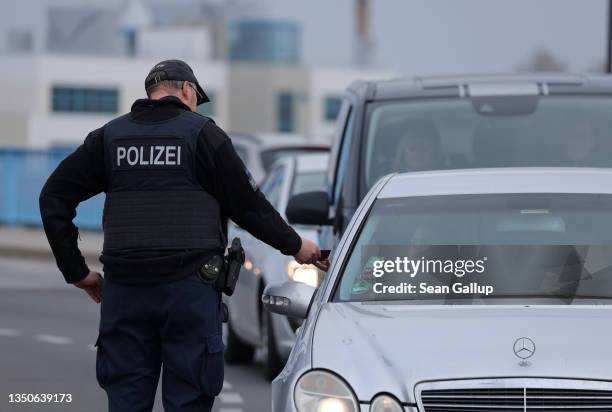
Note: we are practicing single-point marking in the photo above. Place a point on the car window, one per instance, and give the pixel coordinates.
(345, 109)
(272, 185)
(487, 132)
(308, 182)
(270, 156)
(503, 248)
(343, 156)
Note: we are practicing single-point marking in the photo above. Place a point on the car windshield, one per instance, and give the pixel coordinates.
(483, 249)
(487, 132)
(268, 157)
(308, 182)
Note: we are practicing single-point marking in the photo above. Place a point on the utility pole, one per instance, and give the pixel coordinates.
(363, 42)
(609, 43)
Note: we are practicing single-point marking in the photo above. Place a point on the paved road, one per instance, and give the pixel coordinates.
(47, 331)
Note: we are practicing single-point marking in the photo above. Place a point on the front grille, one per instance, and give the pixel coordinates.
(568, 399)
(471, 399)
(543, 395)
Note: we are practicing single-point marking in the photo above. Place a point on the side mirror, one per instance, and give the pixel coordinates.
(288, 298)
(309, 208)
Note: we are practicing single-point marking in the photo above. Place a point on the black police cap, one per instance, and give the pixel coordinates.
(174, 70)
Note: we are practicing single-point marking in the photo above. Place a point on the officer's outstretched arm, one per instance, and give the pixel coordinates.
(244, 203)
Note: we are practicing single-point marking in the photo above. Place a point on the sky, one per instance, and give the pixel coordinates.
(419, 37)
(455, 36)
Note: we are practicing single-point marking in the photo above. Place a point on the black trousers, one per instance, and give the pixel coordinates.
(174, 327)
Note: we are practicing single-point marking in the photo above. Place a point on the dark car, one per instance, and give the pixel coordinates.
(465, 122)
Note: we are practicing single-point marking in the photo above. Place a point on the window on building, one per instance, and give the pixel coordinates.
(332, 107)
(81, 99)
(208, 109)
(286, 113)
(263, 40)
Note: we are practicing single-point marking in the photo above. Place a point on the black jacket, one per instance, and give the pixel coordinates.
(220, 172)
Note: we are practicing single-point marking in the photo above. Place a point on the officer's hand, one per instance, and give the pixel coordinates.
(323, 264)
(309, 252)
(92, 284)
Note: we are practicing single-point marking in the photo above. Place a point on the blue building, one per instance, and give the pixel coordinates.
(264, 41)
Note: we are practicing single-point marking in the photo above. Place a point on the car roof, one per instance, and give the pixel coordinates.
(464, 85)
(498, 180)
(312, 162)
(267, 141)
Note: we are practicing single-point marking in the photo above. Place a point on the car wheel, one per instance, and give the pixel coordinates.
(237, 352)
(271, 359)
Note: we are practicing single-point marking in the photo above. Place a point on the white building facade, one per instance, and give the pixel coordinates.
(54, 100)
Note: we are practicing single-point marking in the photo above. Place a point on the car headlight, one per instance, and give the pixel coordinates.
(320, 391)
(307, 274)
(385, 403)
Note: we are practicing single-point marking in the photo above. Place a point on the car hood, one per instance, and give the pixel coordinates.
(391, 348)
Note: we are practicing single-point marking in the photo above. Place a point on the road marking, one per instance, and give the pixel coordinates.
(230, 397)
(9, 332)
(57, 340)
(226, 398)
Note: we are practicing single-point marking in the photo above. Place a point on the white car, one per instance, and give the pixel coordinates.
(260, 151)
(518, 322)
(249, 326)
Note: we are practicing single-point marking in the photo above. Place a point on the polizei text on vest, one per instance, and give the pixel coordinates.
(155, 155)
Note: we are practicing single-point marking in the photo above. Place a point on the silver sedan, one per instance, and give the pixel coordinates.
(460, 291)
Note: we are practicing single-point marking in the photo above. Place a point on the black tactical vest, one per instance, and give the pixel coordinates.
(154, 200)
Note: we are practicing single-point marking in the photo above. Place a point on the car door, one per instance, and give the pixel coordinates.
(330, 234)
(244, 304)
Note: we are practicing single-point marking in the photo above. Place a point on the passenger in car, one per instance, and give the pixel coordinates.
(418, 148)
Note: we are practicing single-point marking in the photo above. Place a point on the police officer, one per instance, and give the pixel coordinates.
(172, 179)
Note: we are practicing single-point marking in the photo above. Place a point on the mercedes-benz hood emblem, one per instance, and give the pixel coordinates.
(524, 348)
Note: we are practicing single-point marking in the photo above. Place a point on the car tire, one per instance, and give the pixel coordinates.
(237, 352)
(272, 362)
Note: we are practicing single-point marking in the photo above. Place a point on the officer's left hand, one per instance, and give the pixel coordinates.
(92, 284)
(323, 264)
(309, 252)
